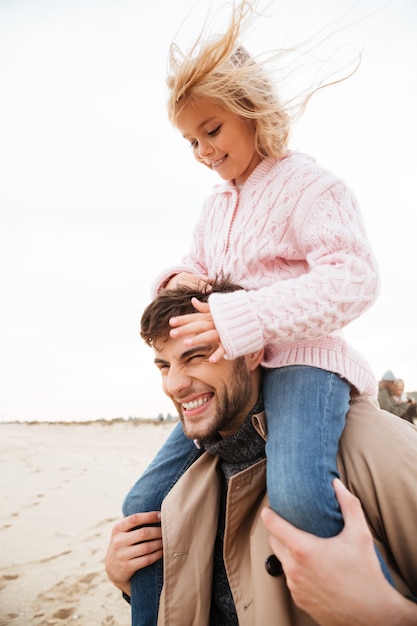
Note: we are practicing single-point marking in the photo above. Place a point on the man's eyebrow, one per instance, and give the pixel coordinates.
(159, 361)
(208, 347)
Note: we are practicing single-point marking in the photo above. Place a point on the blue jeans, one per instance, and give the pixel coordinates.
(306, 410)
(172, 460)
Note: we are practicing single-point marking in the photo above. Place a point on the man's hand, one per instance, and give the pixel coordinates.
(338, 581)
(132, 548)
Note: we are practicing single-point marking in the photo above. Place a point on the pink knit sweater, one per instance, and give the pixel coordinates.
(294, 239)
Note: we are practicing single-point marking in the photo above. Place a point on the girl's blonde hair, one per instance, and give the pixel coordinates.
(220, 69)
(223, 71)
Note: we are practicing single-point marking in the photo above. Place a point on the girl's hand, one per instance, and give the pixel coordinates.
(199, 282)
(197, 328)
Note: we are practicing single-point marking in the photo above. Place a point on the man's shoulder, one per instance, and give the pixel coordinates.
(366, 416)
(375, 436)
(378, 463)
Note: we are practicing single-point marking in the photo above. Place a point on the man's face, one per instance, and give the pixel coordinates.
(211, 398)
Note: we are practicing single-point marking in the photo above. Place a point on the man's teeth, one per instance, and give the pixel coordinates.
(189, 406)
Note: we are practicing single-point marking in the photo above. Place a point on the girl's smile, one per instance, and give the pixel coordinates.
(219, 139)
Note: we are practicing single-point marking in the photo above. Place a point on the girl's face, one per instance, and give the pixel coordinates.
(220, 139)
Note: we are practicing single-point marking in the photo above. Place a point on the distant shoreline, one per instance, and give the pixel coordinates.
(135, 421)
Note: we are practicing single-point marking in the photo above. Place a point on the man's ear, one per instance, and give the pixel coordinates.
(255, 358)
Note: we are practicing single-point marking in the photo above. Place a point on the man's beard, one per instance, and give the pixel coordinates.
(231, 408)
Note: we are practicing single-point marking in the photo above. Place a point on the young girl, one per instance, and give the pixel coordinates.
(291, 234)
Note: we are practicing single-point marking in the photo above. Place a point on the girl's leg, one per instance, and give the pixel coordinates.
(172, 460)
(306, 410)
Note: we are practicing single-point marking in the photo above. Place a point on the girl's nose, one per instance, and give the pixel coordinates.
(205, 149)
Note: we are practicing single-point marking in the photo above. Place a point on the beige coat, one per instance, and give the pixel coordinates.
(377, 461)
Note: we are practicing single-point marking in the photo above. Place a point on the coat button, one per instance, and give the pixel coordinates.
(273, 566)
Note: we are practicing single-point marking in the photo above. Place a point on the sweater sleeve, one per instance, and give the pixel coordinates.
(338, 283)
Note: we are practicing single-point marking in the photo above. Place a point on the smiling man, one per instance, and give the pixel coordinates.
(217, 567)
(210, 400)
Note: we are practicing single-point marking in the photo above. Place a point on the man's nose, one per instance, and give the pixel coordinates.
(177, 380)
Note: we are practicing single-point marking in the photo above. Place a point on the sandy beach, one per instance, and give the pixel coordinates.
(61, 490)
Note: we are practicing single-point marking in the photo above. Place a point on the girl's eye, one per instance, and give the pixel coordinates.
(214, 132)
(211, 133)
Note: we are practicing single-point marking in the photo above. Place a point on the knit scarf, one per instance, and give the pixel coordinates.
(237, 452)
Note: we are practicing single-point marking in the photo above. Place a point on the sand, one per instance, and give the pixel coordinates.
(61, 490)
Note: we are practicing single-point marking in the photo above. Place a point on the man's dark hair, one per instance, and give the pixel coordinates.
(175, 302)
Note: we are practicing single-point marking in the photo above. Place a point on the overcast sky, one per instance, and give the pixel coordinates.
(98, 193)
